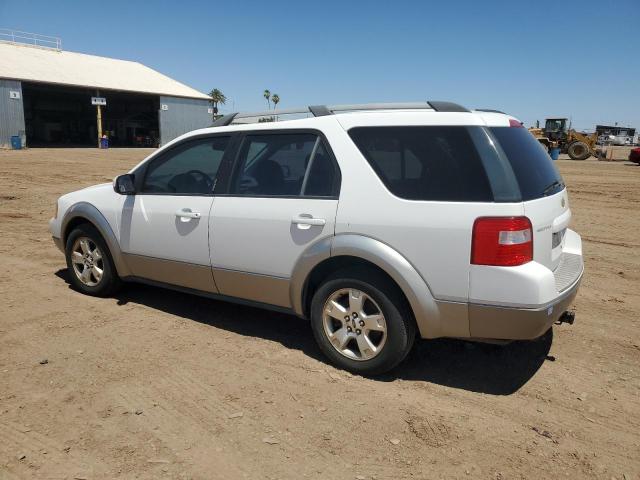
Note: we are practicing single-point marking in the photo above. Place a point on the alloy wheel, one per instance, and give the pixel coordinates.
(354, 324)
(87, 261)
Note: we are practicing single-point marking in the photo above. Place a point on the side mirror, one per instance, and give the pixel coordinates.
(124, 184)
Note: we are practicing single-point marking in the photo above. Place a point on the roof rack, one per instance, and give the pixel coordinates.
(323, 110)
(488, 110)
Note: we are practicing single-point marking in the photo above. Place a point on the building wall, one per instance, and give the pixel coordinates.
(181, 116)
(11, 113)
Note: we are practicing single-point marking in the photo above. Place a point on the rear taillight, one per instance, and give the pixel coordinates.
(515, 123)
(502, 241)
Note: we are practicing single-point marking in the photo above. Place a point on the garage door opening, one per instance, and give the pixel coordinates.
(65, 117)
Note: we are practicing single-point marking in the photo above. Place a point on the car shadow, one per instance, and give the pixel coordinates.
(288, 330)
(477, 367)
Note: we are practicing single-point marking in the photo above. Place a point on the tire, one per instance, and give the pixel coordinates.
(93, 253)
(579, 151)
(376, 294)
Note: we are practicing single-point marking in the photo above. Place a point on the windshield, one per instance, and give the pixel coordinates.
(554, 125)
(535, 171)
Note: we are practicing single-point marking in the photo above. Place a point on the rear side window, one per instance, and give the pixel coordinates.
(285, 165)
(322, 177)
(425, 163)
(536, 174)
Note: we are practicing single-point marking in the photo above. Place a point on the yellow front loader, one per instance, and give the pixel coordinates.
(556, 134)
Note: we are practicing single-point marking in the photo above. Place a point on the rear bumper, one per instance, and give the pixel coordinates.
(513, 323)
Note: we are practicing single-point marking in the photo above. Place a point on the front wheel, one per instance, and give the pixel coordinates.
(579, 151)
(361, 326)
(89, 262)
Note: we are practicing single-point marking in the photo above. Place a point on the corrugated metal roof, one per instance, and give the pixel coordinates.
(22, 62)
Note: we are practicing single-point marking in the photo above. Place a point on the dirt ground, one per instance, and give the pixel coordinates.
(616, 153)
(157, 384)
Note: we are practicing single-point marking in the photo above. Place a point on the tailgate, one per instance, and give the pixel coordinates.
(549, 217)
(542, 190)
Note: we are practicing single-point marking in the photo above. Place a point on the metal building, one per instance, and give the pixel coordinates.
(617, 135)
(51, 97)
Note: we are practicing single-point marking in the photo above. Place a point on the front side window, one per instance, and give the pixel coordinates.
(284, 165)
(425, 163)
(189, 169)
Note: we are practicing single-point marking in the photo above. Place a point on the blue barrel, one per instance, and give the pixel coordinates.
(16, 142)
(554, 153)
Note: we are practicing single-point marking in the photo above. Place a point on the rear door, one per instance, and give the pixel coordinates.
(542, 189)
(281, 197)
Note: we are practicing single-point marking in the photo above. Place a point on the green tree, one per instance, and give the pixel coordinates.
(267, 95)
(217, 98)
(275, 98)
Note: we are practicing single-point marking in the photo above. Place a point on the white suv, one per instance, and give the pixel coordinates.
(375, 222)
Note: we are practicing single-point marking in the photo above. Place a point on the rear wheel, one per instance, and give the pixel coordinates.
(579, 151)
(361, 326)
(91, 268)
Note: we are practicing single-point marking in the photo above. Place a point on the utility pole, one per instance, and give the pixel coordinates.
(99, 119)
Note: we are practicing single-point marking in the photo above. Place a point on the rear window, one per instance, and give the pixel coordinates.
(535, 171)
(425, 163)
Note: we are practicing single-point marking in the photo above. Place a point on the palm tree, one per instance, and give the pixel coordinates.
(275, 98)
(217, 98)
(267, 95)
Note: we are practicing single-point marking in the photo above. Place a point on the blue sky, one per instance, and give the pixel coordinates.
(532, 59)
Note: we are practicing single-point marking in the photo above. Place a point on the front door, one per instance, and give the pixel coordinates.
(281, 198)
(165, 226)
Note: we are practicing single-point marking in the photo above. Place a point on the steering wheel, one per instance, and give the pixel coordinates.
(199, 176)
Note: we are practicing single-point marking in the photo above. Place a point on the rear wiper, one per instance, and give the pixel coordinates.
(556, 183)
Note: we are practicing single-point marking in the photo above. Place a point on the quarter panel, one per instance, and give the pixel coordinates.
(431, 321)
(435, 237)
(306, 262)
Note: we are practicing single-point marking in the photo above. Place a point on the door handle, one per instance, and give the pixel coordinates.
(187, 213)
(307, 220)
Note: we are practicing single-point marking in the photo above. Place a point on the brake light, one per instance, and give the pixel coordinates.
(502, 241)
(515, 123)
